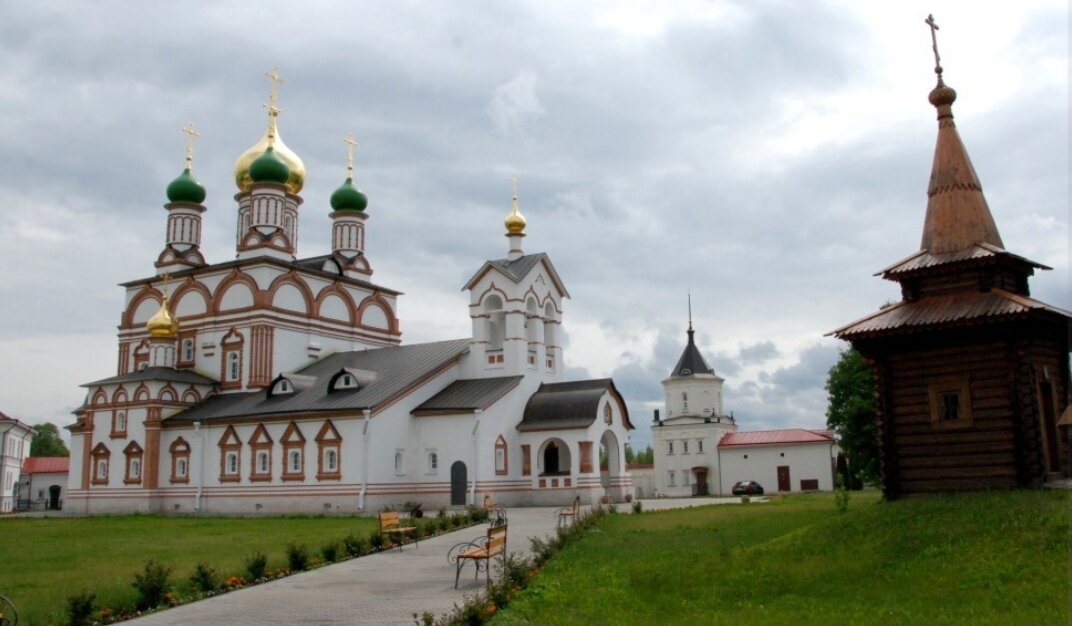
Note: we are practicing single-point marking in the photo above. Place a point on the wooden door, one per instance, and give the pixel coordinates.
(458, 480)
(783, 478)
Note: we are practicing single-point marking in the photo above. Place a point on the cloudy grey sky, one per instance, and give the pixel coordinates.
(769, 156)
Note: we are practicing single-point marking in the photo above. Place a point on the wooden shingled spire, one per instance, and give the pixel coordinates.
(958, 216)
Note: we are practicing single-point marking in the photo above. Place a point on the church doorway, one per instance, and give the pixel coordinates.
(54, 497)
(554, 458)
(699, 483)
(609, 459)
(458, 480)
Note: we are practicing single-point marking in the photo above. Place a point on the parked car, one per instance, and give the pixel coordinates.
(747, 488)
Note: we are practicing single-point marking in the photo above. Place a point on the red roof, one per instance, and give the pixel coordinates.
(772, 437)
(46, 465)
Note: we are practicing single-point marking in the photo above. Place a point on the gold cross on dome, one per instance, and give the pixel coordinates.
(513, 184)
(273, 94)
(191, 134)
(351, 143)
(934, 43)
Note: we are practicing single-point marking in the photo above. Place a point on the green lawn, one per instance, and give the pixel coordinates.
(43, 561)
(987, 558)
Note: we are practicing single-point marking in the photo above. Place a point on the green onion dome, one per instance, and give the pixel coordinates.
(186, 189)
(269, 168)
(348, 198)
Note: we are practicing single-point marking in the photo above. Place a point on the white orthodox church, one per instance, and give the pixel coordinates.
(273, 383)
(698, 450)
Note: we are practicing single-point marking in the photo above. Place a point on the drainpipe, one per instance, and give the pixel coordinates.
(200, 466)
(476, 455)
(364, 460)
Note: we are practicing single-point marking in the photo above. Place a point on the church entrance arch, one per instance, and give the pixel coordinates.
(610, 465)
(459, 477)
(554, 458)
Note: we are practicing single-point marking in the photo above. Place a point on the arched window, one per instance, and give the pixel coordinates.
(120, 423)
(500, 456)
(262, 462)
(496, 322)
(398, 462)
(295, 461)
(135, 469)
(232, 463)
(608, 415)
(181, 468)
(234, 371)
(187, 350)
(331, 460)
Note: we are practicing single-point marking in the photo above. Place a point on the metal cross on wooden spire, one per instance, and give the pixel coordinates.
(351, 143)
(191, 134)
(934, 45)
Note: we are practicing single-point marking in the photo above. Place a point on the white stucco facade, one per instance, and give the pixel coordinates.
(15, 438)
(805, 466)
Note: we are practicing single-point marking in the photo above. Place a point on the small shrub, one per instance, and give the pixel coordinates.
(297, 556)
(80, 608)
(443, 523)
(355, 546)
(441, 512)
(330, 551)
(204, 578)
(638, 506)
(152, 583)
(613, 509)
(377, 539)
(256, 564)
(841, 496)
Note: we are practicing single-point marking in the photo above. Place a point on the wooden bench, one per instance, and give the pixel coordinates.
(496, 514)
(391, 525)
(567, 514)
(480, 552)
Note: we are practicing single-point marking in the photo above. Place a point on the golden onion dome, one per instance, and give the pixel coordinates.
(271, 138)
(515, 221)
(163, 324)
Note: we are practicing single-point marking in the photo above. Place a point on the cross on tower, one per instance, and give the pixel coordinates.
(351, 143)
(273, 94)
(513, 185)
(191, 134)
(934, 45)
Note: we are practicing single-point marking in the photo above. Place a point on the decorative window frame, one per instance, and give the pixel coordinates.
(432, 461)
(120, 417)
(502, 465)
(293, 442)
(230, 444)
(955, 386)
(260, 446)
(233, 342)
(187, 338)
(328, 439)
(134, 468)
(699, 446)
(180, 451)
(100, 455)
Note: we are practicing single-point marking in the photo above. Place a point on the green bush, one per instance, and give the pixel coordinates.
(256, 564)
(377, 539)
(152, 583)
(841, 496)
(204, 578)
(443, 522)
(330, 551)
(297, 556)
(638, 506)
(80, 608)
(355, 546)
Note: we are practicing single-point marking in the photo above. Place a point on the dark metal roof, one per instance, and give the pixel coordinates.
(945, 310)
(925, 260)
(166, 374)
(311, 264)
(569, 405)
(396, 369)
(465, 396)
(517, 269)
(691, 361)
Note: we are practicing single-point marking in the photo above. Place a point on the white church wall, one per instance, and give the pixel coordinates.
(694, 445)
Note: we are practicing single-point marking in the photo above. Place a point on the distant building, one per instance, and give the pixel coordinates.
(698, 450)
(15, 438)
(43, 484)
(971, 371)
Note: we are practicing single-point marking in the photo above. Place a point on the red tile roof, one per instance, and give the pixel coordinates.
(46, 465)
(771, 437)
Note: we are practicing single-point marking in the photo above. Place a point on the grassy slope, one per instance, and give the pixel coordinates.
(990, 558)
(43, 561)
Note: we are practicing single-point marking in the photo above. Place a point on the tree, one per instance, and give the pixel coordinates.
(850, 389)
(47, 441)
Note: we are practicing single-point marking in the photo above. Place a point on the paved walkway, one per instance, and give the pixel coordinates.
(383, 588)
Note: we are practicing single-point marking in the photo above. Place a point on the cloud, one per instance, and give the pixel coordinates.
(514, 104)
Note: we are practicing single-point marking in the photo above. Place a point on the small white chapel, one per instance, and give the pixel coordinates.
(275, 383)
